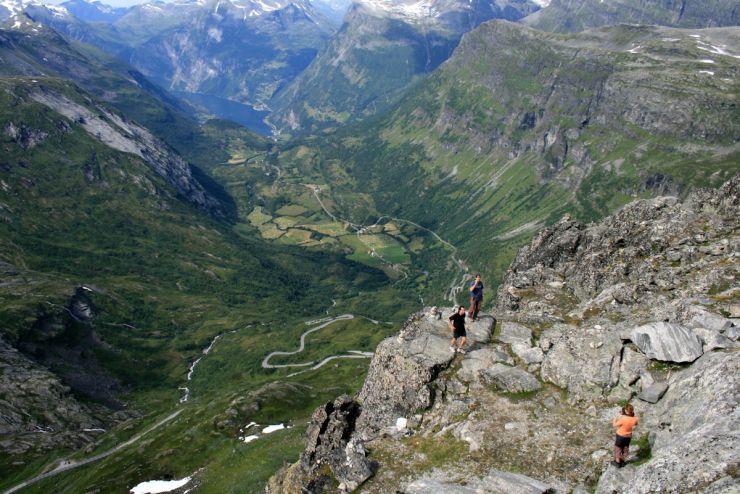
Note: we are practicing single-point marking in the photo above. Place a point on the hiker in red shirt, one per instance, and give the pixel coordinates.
(624, 424)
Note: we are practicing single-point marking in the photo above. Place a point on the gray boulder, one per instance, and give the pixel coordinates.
(586, 361)
(478, 360)
(653, 393)
(496, 482)
(709, 320)
(510, 379)
(499, 482)
(712, 340)
(512, 332)
(667, 342)
(479, 331)
(528, 354)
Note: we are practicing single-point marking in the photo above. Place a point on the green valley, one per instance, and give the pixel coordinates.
(179, 294)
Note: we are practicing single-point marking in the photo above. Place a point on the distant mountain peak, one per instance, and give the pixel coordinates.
(415, 11)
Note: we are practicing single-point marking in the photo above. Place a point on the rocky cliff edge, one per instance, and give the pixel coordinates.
(641, 307)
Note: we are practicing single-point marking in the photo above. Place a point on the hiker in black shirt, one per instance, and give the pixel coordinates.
(456, 322)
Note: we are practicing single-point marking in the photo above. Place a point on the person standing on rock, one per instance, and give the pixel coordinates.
(476, 297)
(456, 322)
(624, 423)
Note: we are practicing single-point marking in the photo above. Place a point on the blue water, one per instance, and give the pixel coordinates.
(230, 110)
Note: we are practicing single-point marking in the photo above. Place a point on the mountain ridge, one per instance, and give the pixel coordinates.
(431, 421)
(579, 15)
(381, 49)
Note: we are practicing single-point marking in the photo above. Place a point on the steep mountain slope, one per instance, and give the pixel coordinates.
(234, 51)
(578, 15)
(332, 9)
(520, 126)
(112, 282)
(382, 47)
(226, 57)
(9, 8)
(95, 11)
(590, 317)
(30, 49)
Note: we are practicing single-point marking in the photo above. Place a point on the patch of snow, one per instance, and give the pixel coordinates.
(716, 50)
(694, 35)
(249, 439)
(185, 394)
(215, 34)
(706, 60)
(273, 428)
(158, 486)
(634, 50)
(542, 3)
(266, 7)
(419, 9)
(706, 72)
(58, 10)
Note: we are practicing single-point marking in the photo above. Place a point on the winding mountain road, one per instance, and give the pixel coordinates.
(66, 465)
(324, 323)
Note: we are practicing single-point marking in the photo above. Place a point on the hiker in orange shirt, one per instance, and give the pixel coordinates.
(624, 424)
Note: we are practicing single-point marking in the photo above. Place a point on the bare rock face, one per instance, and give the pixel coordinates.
(629, 250)
(59, 421)
(667, 342)
(328, 442)
(580, 305)
(510, 379)
(496, 482)
(399, 382)
(584, 360)
(128, 137)
(328, 445)
(695, 434)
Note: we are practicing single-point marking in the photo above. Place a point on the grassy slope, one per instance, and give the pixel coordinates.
(520, 127)
(578, 15)
(173, 276)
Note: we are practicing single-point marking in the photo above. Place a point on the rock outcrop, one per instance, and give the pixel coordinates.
(328, 445)
(592, 316)
(399, 382)
(59, 420)
(667, 342)
(496, 482)
(694, 434)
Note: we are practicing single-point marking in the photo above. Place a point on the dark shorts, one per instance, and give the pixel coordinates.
(622, 441)
(459, 333)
